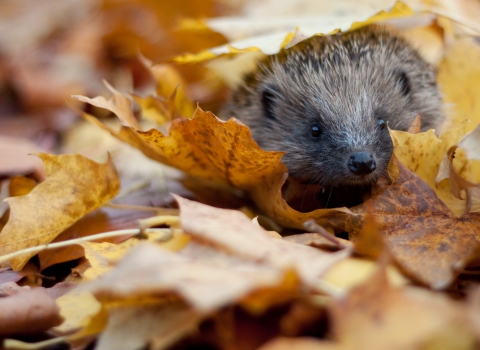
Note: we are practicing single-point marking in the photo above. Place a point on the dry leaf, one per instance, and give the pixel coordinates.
(235, 232)
(428, 241)
(74, 187)
(233, 259)
(423, 153)
(118, 104)
(223, 152)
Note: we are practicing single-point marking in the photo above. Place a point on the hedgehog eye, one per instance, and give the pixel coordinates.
(381, 124)
(268, 99)
(402, 81)
(315, 131)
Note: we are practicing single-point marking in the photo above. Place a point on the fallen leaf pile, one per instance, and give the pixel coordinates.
(154, 224)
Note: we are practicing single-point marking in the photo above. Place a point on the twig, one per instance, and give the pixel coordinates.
(312, 226)
(39, 248)
(17, 344)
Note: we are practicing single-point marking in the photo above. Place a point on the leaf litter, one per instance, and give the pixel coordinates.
(199, 279)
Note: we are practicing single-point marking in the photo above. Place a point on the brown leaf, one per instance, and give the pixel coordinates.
(423, 153)
(118, 104)
(27, 312)
(74, 187)
(423, 235)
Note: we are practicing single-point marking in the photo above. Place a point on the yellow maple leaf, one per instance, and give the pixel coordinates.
(74, 187)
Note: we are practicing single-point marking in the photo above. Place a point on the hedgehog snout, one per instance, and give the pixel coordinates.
(362, 163)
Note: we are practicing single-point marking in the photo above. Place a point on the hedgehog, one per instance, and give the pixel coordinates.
(328, 103)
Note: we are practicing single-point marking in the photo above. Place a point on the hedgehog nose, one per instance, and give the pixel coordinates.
(362, 163)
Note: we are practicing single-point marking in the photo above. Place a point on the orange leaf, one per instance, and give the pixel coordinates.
(224, 152)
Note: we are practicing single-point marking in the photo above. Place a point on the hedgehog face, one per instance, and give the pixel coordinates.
(328, 142)
(327, 103)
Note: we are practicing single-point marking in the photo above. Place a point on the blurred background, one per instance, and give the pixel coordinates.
(52, 49)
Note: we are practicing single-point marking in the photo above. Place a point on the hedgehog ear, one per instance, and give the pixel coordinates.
(402, 81)
(268, 102)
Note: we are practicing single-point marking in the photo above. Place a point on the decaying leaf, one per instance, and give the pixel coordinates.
(74, 187)
(428, 241)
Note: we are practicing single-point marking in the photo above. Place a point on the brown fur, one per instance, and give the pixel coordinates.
(342, 83)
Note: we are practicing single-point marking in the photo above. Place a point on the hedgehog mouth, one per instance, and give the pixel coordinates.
(359, 180)
(344, 196)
